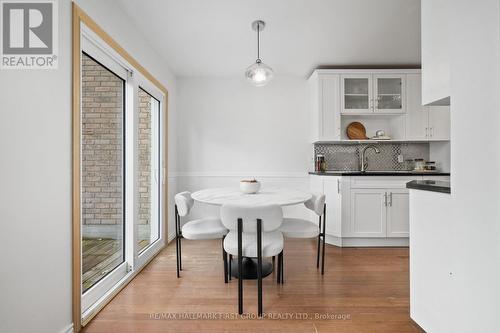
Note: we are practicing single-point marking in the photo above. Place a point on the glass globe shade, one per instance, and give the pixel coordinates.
(259, 74)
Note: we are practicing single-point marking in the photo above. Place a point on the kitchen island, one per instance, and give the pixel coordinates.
(432, 270)
(430, 185)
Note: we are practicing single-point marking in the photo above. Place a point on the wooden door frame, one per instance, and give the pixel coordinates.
(79, 17)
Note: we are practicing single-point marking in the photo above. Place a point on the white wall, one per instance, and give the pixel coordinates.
(35, 176)
(475, 87)
(229, 130)
(468, 256)
(227, 125)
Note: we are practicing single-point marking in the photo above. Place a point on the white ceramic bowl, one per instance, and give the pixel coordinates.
(249, 187)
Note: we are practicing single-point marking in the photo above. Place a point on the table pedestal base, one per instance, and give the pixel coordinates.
(250, 268)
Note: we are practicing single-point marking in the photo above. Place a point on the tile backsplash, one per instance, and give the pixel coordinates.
(345, 157)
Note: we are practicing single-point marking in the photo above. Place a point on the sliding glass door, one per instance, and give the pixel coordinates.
(102, 192)
(120, 165)
(148, 169)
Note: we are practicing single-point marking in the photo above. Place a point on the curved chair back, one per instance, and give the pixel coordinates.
(271, 216)
(184, 203)
(316, 203)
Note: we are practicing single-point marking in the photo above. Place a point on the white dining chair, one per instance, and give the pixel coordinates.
(204, 228)
(253, 232)
(301, 228)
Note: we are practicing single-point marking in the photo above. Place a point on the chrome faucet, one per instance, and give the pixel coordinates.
(363, 160)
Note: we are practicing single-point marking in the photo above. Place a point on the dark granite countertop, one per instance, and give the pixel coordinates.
(378, 173)
(429, 185)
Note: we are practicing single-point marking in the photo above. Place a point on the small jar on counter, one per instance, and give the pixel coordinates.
(419, 164)
(320, 165)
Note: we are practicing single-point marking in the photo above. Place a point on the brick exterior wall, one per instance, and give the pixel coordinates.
(102, 144)
(102, 147)
(144, 157)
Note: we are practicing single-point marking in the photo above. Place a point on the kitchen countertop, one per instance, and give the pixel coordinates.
(429, 185)
(378, 173)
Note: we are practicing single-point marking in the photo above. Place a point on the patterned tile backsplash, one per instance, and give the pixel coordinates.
(345, 157)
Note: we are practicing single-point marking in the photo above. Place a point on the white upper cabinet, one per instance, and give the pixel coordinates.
(435, 38)
(439, 123)
(417, 117)
(325, 107)
(357, 93)
(372, 93)
(424, 122)
(389, 94)
(380, 99)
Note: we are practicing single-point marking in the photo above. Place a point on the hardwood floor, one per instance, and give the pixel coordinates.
(363, 290)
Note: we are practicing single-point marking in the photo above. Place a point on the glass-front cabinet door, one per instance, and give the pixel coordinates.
(356, 94)
(389, 93)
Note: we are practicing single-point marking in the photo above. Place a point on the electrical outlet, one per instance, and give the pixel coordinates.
(400, 158)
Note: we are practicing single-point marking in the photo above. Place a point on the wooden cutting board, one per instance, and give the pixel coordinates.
(356, 131)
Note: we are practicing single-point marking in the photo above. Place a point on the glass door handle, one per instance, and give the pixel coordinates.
(156, 174)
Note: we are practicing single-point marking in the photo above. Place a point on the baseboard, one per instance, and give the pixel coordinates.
(334, 240)
(366, 242)
(416, 324)
(67, 329)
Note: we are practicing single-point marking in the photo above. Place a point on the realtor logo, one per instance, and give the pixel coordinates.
(29, 39)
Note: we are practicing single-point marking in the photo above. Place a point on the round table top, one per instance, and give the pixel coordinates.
(266, 196)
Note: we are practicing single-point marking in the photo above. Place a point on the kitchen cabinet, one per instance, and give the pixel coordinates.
(332, 190)
(366, 210)
(389, 93)
(372, 93)
(357, 95)
(368, 213)
(380, 99)
(398, 213)
(379, 213)
(417, 116)
(439, 122)
(424, 122)
(331, 187)
(325, 107)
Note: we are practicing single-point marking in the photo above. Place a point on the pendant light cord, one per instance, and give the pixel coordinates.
(258, 42)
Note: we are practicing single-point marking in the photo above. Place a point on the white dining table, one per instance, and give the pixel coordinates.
(266, 196)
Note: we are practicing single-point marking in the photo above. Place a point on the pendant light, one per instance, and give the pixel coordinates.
(259, 74)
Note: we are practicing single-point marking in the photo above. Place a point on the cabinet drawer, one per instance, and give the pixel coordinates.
(381, 181)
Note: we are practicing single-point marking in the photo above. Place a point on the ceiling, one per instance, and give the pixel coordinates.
(214, 37)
